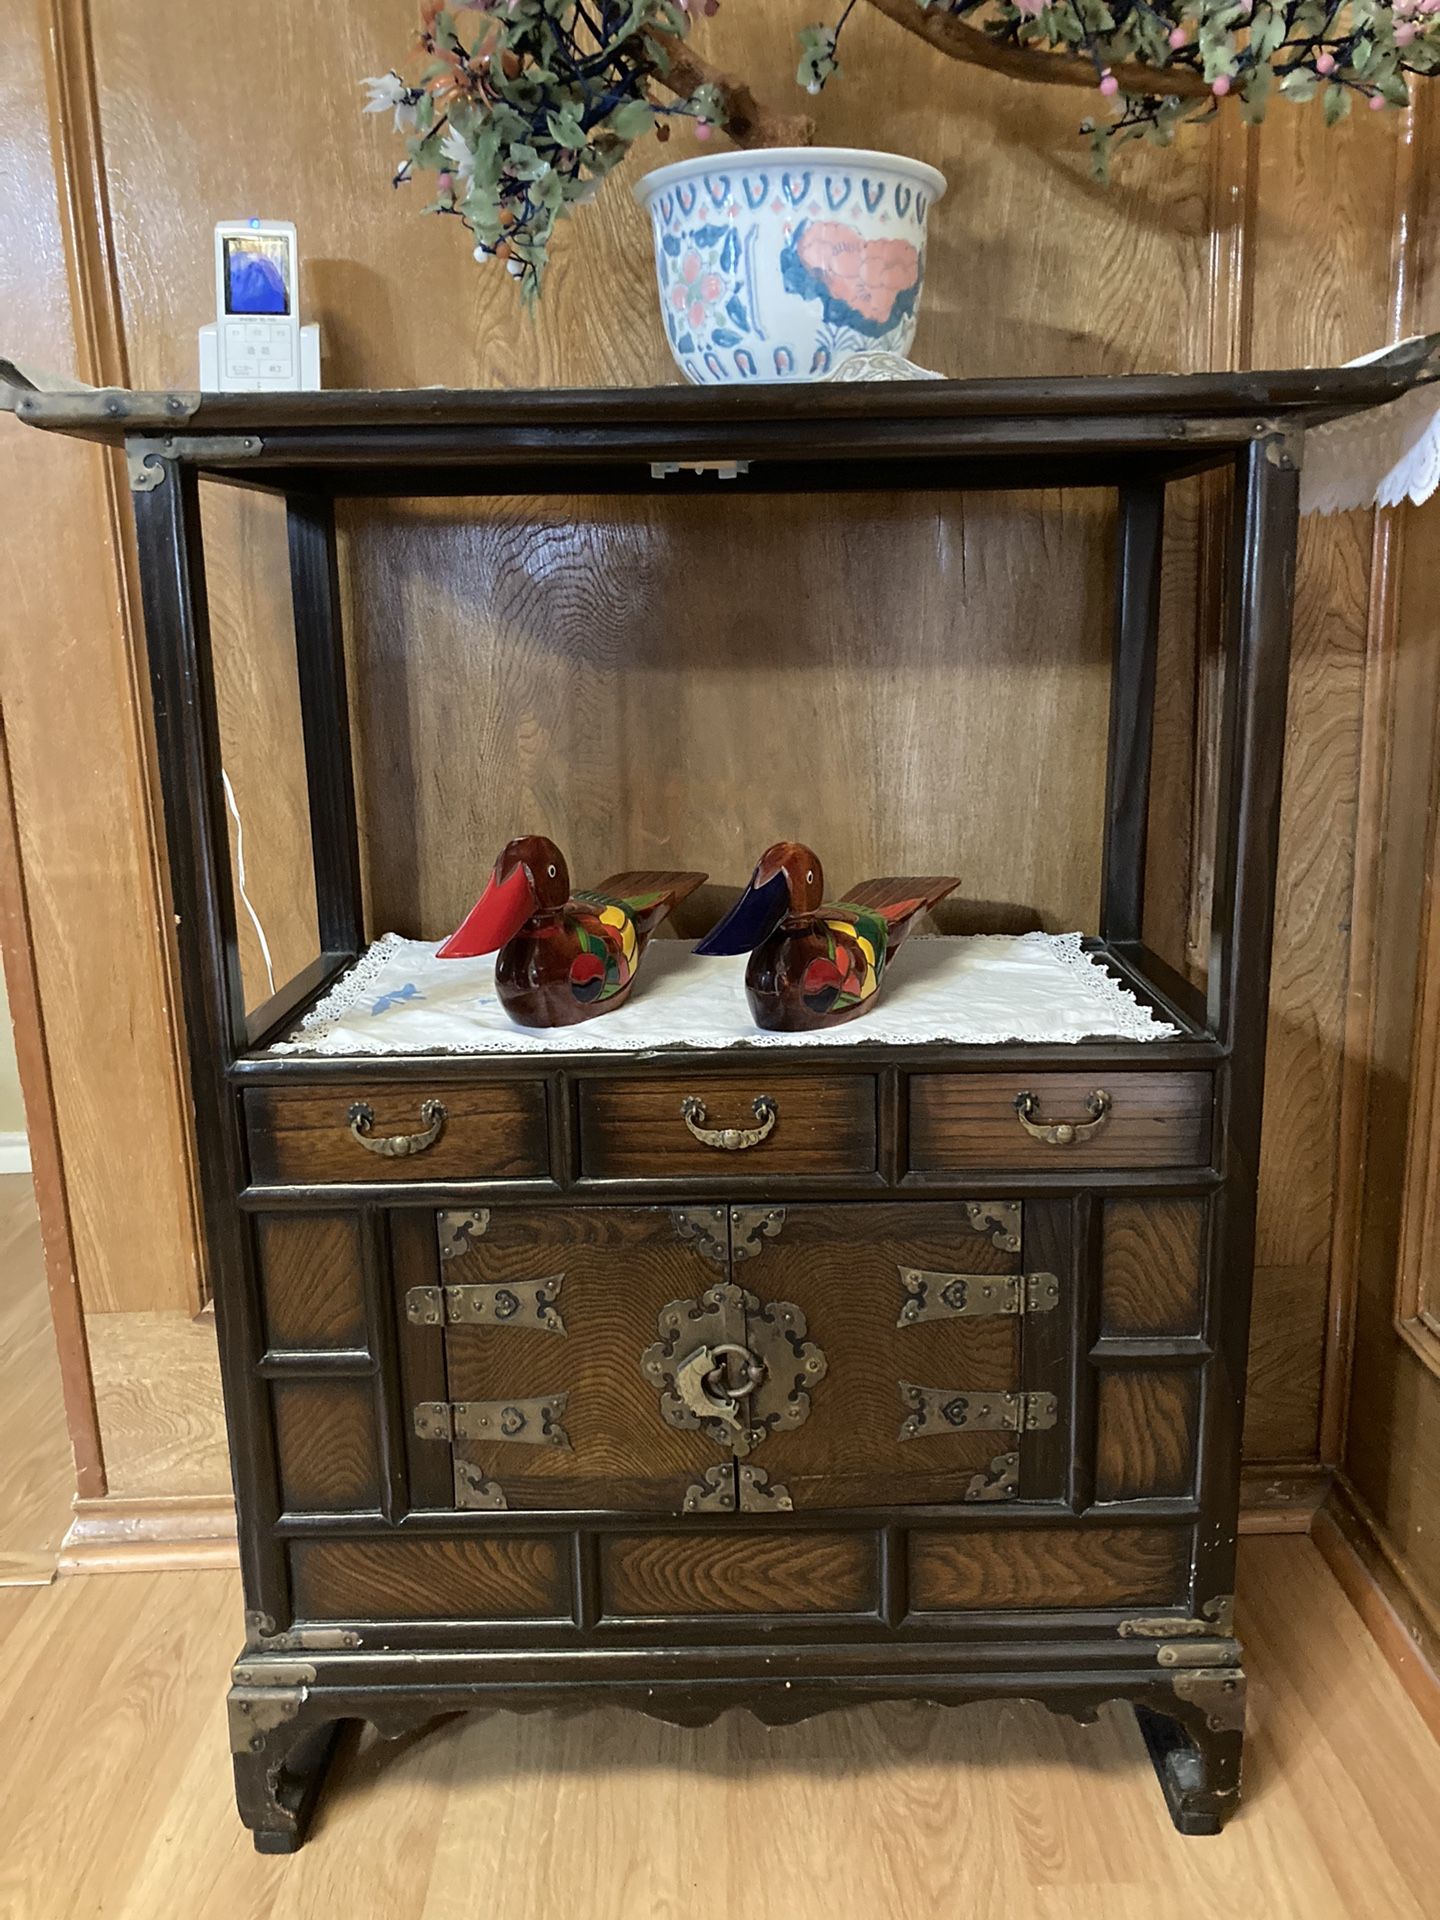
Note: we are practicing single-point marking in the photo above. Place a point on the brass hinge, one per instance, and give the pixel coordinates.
(935, 1410)
(1217, 1621)
(1219, 1693)
(143, 458)
(1001, 1219)
(518, 1423)
(458, 1229)
(1198, 1653)
(262, 1634)
(950, 1296)
(256, 1711)
(250, 1671)
(516, 1303)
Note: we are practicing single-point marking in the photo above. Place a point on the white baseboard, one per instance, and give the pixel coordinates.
(14, 1153)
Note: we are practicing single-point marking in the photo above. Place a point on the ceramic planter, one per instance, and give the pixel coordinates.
(781, 263)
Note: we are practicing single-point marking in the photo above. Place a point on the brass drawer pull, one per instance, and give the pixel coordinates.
(1062, 1133)
(730, 1139)
(395, 1146)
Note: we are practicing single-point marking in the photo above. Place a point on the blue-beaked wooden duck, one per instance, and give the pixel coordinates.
(563, 957)
(813, 963)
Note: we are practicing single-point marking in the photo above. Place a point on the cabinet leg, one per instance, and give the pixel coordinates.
(280, 1764)
(1195, 1747)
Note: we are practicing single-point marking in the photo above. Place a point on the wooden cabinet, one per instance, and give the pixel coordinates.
(541, 1395)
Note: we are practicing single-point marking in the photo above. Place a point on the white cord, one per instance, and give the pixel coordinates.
(240, 878)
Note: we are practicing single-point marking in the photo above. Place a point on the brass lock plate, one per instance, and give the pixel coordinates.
(733, 1367)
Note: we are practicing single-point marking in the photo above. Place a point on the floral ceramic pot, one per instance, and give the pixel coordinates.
(780, 263)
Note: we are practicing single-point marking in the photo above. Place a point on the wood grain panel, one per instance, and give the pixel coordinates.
(1322, 281)
(621, 1265)
(491, 1132)
(631, 1129)
(841, 1266)
(157, 1388)
(1150, 1266)
(960, 1120)
(507, 1579)
(325, 1439)
(735, 1572)
(1056, 1567)
(1145, 1447)
(310, 1276)
(597, 637)
(1287, 1339)
(75, 731)
(253, 632)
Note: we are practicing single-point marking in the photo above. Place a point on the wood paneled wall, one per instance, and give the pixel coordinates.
(538, 654)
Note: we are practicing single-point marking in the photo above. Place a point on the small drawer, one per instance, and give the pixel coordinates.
(762, 1124)
(455, 1132)
(960, 1121)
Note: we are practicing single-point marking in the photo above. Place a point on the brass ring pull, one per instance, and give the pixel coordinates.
(1062, 1133)
(703, 1385)
(730, 1139)
(395, 1146)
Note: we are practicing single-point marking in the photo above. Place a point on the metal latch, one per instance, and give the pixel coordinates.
(518, 1423)
(950, 1296)
(722, 469)
(935, 1410)
(512, 1303)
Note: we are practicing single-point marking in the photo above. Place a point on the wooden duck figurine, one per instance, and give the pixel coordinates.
(813, 964)
(563, 957)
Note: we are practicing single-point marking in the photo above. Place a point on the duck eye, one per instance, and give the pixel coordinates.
(811, 874)
(550, 872)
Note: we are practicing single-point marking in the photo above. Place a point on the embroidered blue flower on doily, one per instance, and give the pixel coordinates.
(387, 1000)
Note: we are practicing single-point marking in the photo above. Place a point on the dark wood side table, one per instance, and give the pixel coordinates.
(936, 1391)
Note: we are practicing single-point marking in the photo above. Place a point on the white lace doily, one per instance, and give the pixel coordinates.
(975, 990)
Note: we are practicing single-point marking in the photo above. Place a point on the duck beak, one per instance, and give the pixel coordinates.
(753, 918)
(497, 916)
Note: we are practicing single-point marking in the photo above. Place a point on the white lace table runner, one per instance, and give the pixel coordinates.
(977, 989)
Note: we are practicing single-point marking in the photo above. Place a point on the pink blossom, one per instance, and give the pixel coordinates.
(702, 129)
(1031, 9)
(1376, 103)
(1220, 85)
(1325, 63)
(1109, 85)
(1404, 34)
(1178, 37)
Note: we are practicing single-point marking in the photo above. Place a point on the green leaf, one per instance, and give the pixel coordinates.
(1300, 84)
(565, 129)
(1337, 103)
(632, 121)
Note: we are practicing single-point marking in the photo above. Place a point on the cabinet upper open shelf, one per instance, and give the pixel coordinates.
(814, 437)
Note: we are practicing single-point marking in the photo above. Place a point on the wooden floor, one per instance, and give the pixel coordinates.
(37, 1471)
(115, 1792)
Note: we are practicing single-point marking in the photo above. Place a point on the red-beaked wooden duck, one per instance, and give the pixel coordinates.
(563, 957)
(814, 964)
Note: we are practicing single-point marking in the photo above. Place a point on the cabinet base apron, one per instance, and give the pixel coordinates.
(286, 1713)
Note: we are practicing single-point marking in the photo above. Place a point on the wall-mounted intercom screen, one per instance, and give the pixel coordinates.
(257, 273)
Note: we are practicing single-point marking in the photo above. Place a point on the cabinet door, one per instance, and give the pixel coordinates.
(934, 1332)
(545, 1315)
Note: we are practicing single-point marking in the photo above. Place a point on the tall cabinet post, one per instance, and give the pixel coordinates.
(187, 743)
(325, 718)
(1138, 548)
(1262, 574)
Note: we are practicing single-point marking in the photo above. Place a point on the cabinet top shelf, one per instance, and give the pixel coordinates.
(1091, 419)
